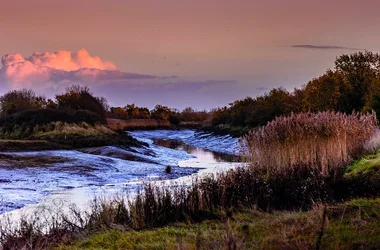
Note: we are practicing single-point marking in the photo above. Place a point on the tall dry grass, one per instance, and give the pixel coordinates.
(119, 124)
(63, 128)
(325, 141)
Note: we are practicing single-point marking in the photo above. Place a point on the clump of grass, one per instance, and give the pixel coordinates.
(324, 142)
(369, 163)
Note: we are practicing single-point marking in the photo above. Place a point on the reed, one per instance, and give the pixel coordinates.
(325, 142)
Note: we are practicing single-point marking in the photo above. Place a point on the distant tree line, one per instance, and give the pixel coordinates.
(77, 104)
(160, 112)
(352, 85)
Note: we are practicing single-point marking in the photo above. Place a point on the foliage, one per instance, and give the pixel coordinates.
(130, 111)
(77, 97)
(190, 115)
(23, 122)
(161, 112)
(17, 100)
(353, 85)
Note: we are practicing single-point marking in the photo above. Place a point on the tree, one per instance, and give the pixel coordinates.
(161, 112)
(360, 70)
(18, 100)
(324, 93)
(80, 98)
(119, 113)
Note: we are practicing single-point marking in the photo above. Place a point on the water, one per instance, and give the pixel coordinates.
(59, 178)
(200, 154)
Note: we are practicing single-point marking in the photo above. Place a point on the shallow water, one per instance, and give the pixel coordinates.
(77, 176)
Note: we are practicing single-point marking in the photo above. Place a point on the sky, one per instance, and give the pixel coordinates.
(180, 53)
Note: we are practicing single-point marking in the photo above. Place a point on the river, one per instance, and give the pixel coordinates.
(61, 178)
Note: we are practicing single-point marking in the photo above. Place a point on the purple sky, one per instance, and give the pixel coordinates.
(178, 52)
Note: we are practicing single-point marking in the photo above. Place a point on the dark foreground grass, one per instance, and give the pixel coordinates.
(210, 201)
(351, 225)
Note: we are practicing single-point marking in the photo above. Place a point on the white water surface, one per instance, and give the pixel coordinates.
(84, 174)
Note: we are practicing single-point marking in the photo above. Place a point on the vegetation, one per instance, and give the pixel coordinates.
(188, 117)
(324, 142)
(288, 186)
(215, 202)
(17, 100)
(367, 165)
(348, 225)
(297, 160)
(353, 85)
(75, 119)
(80, 98)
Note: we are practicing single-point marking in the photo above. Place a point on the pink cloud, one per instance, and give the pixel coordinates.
(42, 68)
(50, 73)
(66, 60)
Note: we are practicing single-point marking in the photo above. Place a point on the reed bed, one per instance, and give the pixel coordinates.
(119, 124)
(325, 141)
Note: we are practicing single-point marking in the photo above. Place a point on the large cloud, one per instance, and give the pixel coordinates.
(51, 69)
(51, 73)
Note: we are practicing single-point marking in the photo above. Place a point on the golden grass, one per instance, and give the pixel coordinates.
(324, 141)
(118, 124)
(60, 128)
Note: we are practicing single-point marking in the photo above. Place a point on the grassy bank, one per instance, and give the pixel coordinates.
(351, 225)
(60, 135)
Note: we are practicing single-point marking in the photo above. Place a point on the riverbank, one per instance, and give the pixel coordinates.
(55, 136)
(350, 225)
(224, 129)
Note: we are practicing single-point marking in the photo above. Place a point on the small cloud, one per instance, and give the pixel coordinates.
(168, 77)
(322, 47)
(262, 89)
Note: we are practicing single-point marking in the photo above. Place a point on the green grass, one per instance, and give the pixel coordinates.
(366, 165)
(352, 225)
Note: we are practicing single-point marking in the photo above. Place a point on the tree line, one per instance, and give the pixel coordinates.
(352, 85)
(159, 112)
